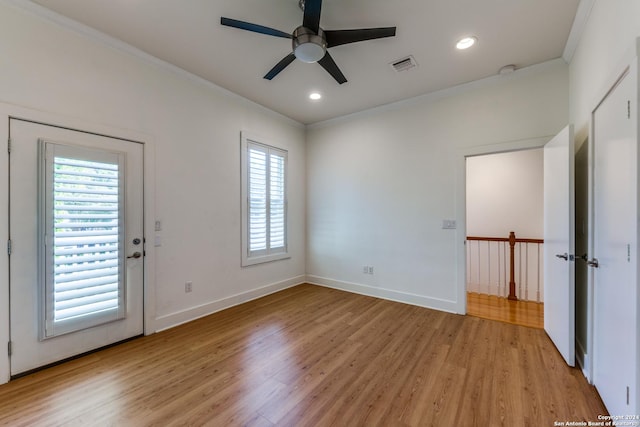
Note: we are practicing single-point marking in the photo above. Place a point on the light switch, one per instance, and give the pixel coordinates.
(449, 224)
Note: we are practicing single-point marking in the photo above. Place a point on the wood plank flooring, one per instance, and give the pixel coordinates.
(312, 356)
(524, 313)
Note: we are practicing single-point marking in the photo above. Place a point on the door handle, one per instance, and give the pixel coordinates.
(135, 255)
(564, 256)
(593, 263)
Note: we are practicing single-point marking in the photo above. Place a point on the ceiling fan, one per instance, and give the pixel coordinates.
(310, 42)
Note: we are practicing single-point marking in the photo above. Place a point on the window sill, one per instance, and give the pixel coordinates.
(246, 261)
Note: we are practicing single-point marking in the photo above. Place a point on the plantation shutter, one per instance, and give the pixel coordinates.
(82, 217)
(277, 202)
(258, 183)
(267, 204)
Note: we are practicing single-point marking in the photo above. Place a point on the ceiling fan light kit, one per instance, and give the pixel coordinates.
(307, 46)
(310, 42)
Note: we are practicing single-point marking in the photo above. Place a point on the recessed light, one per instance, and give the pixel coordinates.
(466, 43)
(314, 96)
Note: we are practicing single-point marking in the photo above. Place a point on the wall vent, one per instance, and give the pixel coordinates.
(404, 64)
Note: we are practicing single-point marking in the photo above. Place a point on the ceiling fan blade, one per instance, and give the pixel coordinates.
(311, 18)
(254, 27)
(329, 64)
(338, 37)
(280, 66)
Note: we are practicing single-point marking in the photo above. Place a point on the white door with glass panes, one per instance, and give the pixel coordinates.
(77, 249)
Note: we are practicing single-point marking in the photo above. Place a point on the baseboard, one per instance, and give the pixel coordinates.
(582, 357)
(174, 319)
(388, 294)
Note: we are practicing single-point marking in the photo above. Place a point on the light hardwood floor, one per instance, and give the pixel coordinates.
(524, 313)
(311, 356)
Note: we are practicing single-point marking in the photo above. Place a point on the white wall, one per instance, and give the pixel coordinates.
(609, 33)
(505, 193)
(195, 132)
(380, 183)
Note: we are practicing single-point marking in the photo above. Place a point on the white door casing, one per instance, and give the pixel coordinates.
(29, 351)
(559, 232)
(614, 233)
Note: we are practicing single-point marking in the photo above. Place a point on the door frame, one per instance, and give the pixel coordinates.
(461, 203)
(12, 111)
(631, 57)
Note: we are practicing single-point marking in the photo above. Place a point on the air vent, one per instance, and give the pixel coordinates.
(404, 64)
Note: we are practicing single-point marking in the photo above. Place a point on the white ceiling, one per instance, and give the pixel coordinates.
(188, 34)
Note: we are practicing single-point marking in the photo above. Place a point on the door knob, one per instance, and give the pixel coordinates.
(593, 263)
(564, 256)
(135, 255)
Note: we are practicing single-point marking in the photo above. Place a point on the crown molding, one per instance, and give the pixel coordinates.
(118, 45)
(579, 24)
(445, 93)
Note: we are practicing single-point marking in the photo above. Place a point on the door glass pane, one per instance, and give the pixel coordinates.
(83, 239)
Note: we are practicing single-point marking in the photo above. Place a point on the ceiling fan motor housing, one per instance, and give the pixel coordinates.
(309, 46)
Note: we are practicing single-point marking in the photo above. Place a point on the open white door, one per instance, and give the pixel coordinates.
(559, 231)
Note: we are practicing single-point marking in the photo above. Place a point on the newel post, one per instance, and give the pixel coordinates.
(512, 269)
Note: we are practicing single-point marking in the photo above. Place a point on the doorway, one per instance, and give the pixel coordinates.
(504, 224)
(77, 254)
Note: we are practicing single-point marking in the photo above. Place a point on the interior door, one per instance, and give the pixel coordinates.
(614, 255)
(559, 273)
(76, 263)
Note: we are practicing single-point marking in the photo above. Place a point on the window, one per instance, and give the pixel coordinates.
(264, 202)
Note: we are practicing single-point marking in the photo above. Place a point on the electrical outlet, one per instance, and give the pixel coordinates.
(365, 269)
(158, 225)
(370, 270)
(188, 287)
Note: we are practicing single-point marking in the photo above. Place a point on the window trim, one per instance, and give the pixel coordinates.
(248, 140)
